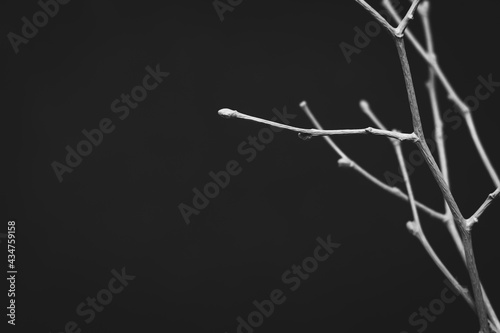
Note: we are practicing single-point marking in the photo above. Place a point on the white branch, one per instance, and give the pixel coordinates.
(307, 133)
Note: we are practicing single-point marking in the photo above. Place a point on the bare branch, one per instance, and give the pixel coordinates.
(423, 10)
(307, 133)
(406, 20)
(377, 16)
(418, 138)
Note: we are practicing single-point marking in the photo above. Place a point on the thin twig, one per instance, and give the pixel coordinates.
(307, 133)
(416, 229)
(431, 88)
(438, 124)
(475, 217)
(365, 107)
(346, 161)
(415, 226)
(406, 19)
(377, 16)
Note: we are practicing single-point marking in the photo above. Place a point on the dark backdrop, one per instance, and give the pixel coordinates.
(119, 208)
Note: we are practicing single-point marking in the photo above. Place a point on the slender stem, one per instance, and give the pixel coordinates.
(438, 124)
(415, 226)
(377, 16)
(395, 191)
(457, 215)
(475, 217)
(431, 86)
(346, 161)
(307, 133)
(463, 291)
(416, 229)
(406, 20)
(482, 153)
(452, 95)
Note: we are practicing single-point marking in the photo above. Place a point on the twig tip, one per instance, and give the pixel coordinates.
(423, 8)
(363, 104)
(227, 113)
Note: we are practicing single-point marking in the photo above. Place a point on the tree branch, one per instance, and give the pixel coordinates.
(406, 20)
(307, 133)
(377, 16)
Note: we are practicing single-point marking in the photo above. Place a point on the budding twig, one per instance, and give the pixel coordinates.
(307, 133)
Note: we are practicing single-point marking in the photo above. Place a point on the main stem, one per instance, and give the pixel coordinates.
(457, 215)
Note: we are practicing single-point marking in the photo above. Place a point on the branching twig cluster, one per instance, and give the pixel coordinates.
(458, 226)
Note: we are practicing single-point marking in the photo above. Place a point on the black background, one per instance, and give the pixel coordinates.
(119, 207)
